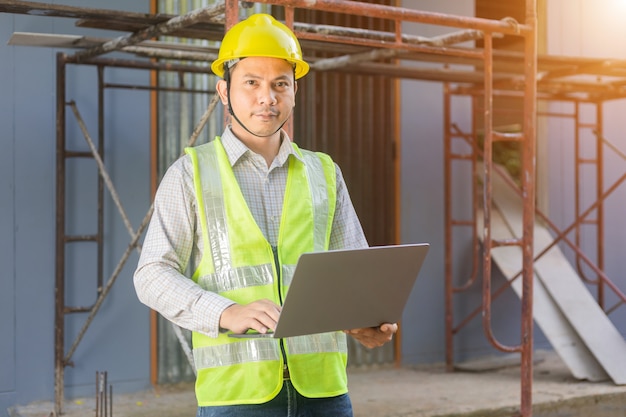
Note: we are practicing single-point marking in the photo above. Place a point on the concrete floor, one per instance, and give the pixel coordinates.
(424, 391)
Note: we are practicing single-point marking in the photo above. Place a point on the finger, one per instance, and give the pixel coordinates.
(389, 328)
(259, 315)
(269, 313)
(372, 337)
(262, 323)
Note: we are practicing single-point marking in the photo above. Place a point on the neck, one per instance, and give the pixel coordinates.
(267, 147)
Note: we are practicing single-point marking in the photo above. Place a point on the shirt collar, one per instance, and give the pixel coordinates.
(235, 148)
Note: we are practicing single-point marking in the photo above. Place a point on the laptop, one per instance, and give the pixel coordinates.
(347, 289)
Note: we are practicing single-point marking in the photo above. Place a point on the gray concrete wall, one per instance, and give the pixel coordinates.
(117, 342)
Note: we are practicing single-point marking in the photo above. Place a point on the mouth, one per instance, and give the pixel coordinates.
(266, 113)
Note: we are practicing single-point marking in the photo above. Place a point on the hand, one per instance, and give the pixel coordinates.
(372, 337)
(260, 315)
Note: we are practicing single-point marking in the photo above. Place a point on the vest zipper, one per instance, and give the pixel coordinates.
(280, 299)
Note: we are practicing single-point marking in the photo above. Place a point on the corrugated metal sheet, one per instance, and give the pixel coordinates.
(353, 118)
(178, 114)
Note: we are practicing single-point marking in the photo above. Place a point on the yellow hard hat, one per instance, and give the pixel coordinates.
(260, 35)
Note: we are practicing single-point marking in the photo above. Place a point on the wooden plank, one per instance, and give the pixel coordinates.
(567, 289)
(199, 30)
(557, 329)
(59, 10)
(111, 19)
(54, 40)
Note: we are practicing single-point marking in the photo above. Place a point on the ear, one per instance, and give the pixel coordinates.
(222, 90)
(295, 87)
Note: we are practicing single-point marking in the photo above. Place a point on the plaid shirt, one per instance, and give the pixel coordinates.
(173, 242)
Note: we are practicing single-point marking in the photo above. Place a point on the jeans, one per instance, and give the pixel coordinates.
(288, 403)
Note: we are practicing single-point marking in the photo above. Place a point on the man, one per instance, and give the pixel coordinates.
(237, 212)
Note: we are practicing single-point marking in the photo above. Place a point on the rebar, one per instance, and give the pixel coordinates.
(104, 398)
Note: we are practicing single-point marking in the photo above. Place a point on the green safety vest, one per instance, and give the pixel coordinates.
(239, 264)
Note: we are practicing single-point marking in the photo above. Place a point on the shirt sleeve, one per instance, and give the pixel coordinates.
(347, 232)
(160, 280)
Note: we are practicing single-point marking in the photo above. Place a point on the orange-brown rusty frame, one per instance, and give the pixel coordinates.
(582, 214)
(527, 140)
(489, 28)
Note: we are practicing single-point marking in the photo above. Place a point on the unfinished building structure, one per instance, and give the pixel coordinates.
(505, 224)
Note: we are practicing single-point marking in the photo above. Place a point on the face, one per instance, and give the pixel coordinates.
(262, 94)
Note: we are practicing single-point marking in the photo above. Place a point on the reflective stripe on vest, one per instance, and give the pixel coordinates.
(256, 350)
(244, 277)
(250, 350)
(238, 263)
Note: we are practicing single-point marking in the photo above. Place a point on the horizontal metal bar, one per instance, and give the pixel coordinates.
(78, 154)
(506, 136)
(157, 88)
(506, 242)
(81, 238)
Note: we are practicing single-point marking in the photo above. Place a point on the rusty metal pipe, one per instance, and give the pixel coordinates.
(448, 265)
(529, 191)
(378, 35)
(175, 23)
(409, 15)
(158, 88)
(59, 271)
(147, 65)
(487, 199)
(600, 212)
(423, 48)
(98, 155)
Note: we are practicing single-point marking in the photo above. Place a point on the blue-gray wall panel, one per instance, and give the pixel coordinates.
(7, 217)
(34, 217)
(122, 318)
(422, 218)
(422, 199)
(118, 340)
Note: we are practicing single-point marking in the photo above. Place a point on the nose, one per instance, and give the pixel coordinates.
(267, 95)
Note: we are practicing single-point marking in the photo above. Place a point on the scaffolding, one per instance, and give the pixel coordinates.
(479, 73)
